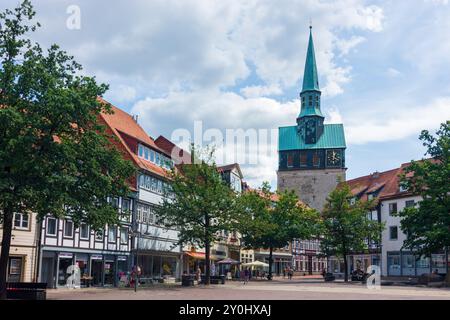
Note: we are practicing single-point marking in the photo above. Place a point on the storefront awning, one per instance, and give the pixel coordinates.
(200, 255)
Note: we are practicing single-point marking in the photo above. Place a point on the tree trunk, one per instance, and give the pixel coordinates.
(6, 244)
(207, 263)
(270, 262)
(346, 268)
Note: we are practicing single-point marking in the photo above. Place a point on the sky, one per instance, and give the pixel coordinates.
(383, 68)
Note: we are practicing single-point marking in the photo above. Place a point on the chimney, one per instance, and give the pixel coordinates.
(135, 117)
(376, 175)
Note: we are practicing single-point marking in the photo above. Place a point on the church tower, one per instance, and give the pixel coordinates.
(311, 154)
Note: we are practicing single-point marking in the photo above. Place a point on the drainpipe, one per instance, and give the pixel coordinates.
(37, 276)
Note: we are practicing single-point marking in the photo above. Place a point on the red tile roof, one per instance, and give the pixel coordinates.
(130, 133)
(178, 154)
(386, 182)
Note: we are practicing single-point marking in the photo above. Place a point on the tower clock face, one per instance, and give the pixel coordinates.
(334, 158)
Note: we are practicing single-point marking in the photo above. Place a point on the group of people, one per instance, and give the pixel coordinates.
(289, 272)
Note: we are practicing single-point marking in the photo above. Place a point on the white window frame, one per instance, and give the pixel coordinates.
(47, 228)
(114, 230)
(21, 219)
(122, 231)
(81, 232)
(65, 229)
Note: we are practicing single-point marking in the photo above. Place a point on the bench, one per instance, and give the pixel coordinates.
(26, 291)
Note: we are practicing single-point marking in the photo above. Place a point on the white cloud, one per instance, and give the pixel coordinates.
(393, 73)
(261, 91)
(398, 123)
(122, 93)
(345, 45)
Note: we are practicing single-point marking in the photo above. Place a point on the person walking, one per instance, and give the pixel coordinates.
(246, 275)
(290, 273)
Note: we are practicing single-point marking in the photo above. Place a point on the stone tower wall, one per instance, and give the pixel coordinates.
(311, 186)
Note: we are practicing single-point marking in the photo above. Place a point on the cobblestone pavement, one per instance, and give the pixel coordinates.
(305, 289)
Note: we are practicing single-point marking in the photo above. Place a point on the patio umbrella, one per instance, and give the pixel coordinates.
(255, 264)
(228, 261)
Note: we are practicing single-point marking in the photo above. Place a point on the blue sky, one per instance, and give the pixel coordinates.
(383, 66)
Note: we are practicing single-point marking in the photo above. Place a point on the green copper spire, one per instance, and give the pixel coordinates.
(310, 95)
(310, 77)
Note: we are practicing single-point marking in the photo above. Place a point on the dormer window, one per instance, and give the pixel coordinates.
(155, 157)
(403, 188)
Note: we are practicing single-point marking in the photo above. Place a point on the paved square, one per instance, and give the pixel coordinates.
(279, 289)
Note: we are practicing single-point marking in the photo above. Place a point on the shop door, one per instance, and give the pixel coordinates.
(97, 267)
(15, 269)
(47, 272)
(110, 272)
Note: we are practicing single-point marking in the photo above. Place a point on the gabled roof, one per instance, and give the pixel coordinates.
(129, 134)
(230, 167)
(332, 137)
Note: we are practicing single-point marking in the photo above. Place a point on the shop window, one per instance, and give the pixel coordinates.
(393, 233)
(51, 226)
(21, 221)
(84, 231)
(68, 229)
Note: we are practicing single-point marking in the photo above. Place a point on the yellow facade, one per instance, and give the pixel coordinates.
(23, 253)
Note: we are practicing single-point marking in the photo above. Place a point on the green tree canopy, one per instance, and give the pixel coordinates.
(199, 204)
(55, 156)
(272, 220)
(427, 225)
(346, 225)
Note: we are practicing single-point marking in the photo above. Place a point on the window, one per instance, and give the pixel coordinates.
(51, 226)
(123, 236)
(68, 229)
(99, 235)
(112, 234)
(141, 151)
(303, 159)
(393, 233)
(316, 159)
(370, 196)
(410, 203)
(152, 156)
(21, 221)
(290, 161)
(392, 208)
(146, 156)
(403, 188)
(352, 201)
(84, 231)
(126, 205)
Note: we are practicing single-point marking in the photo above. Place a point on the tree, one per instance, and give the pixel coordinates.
(346, 225)
(55, 156)
(199, 204)
(427, 225)
(273, 220)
